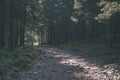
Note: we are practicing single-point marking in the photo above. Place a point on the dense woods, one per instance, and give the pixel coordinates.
(12, 23)
(59, 21)
(91, 27)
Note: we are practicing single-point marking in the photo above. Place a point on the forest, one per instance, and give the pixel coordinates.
(59, 21)
(82, 26)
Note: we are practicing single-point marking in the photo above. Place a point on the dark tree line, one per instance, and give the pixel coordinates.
(76, 20)
(12, 22)
(59, 21)
(58, 14)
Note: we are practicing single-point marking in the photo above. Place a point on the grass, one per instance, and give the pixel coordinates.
(19, 59)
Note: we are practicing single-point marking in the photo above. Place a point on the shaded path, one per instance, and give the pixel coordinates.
(58, 64)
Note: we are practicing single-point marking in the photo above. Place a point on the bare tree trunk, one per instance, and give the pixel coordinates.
(109, 43)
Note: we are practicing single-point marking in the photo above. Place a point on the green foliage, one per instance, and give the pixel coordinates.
(18, 59)
(85, 9)
(108, 9)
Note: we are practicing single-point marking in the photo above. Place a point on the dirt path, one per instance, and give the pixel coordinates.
(58, 64)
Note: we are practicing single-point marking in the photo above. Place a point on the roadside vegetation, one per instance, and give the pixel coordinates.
(14, 61)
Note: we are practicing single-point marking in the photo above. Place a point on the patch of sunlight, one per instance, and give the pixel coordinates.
(70, 62)
(36, 44)
(74, 19)
(77, 4)
(62, 55)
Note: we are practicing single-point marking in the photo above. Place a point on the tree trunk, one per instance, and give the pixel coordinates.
(109, 43)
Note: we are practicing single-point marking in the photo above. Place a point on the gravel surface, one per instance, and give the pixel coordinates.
(58, 64)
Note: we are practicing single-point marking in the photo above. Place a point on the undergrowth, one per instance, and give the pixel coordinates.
(19, 59)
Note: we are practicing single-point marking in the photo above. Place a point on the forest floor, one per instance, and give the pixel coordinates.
(60, 64)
